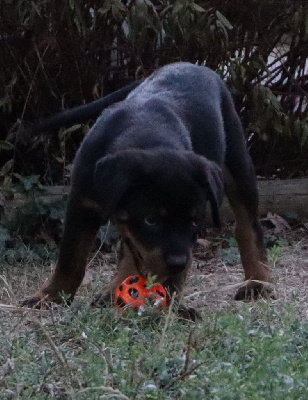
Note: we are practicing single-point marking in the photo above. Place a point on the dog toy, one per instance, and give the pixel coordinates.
(133, 292)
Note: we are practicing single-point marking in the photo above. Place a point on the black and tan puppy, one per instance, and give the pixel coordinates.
(151, 163)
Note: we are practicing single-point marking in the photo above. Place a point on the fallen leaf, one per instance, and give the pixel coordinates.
(204, 243)
(278, 223)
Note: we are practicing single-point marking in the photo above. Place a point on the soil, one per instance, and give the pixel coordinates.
(215, 275)
(212, 281)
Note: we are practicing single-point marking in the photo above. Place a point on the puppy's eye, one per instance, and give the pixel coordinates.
(150, 220)
(194, 223)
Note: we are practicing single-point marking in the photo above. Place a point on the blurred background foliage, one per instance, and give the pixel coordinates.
(55, 55)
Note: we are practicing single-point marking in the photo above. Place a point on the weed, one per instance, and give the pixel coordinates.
(238, 351)
(274, 253)
(85, 353)
(272, 239)
(229, 252)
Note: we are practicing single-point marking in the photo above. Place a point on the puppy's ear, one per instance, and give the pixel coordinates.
(114, 175)
(210, 176)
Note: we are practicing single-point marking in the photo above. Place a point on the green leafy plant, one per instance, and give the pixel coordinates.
(29, 219)
(86, 353)
(263, 63)
(274, 253)
(229, 252)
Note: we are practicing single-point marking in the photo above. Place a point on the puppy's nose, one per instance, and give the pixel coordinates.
(176, 263)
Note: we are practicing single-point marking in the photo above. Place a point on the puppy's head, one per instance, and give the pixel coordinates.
(158, 199)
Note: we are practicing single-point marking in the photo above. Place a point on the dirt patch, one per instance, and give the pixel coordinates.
(211, 283)
(27, 336)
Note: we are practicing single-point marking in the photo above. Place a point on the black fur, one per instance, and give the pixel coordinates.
(150, 163)
(83, 113)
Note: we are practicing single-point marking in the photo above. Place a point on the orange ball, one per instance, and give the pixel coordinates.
(131, 292)
(159, 293)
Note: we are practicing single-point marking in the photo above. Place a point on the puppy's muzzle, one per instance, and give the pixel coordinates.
(176, 263)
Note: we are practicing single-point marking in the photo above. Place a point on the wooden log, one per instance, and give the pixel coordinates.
(276, 196)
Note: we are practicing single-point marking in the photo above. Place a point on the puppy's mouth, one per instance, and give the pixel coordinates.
(148, 264)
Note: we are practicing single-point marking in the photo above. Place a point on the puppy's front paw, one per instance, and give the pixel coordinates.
(33, 302)
(43, 301)
(254, 290)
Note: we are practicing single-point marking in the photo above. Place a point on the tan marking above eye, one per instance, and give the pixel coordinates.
(163, 212)
(92, 204)
(122, 216)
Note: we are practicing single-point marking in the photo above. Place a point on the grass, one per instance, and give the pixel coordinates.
(255, 351)
(237, 351)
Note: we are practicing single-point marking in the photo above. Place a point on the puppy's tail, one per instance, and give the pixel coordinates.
(83, 113)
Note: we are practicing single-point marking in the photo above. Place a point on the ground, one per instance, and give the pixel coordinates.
(213, 279)
(212, 283)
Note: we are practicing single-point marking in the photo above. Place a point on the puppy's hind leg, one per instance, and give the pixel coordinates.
(242, 192)
(249, 236)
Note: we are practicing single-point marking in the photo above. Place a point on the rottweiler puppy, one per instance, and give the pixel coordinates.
(161, 150)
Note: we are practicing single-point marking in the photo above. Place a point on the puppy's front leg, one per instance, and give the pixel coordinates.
(81, 225)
